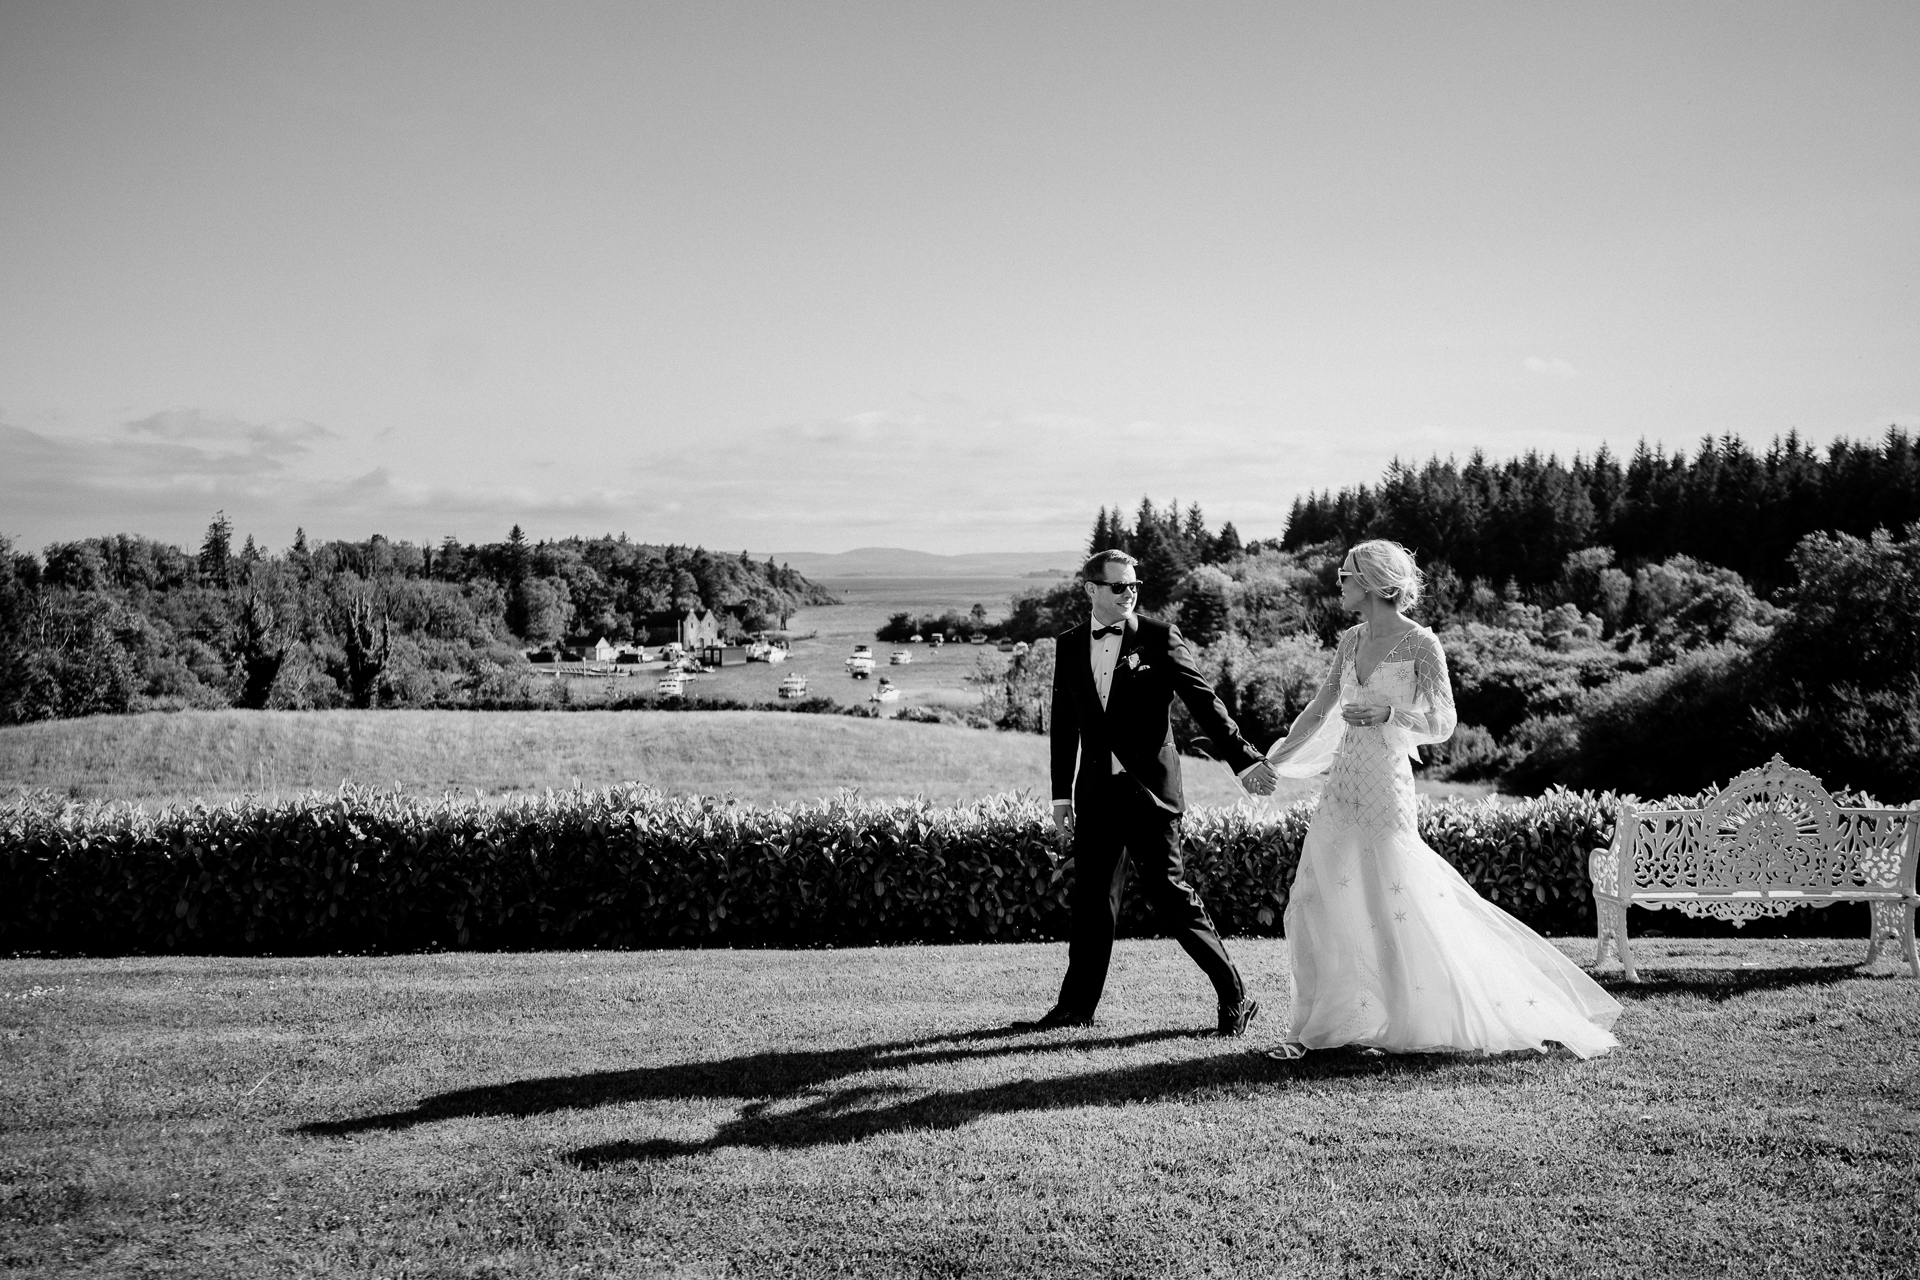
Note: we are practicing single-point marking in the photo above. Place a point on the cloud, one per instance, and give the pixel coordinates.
(278, 438)
(937, 473)
(165, 476)
(964, 477)
(1554, 368)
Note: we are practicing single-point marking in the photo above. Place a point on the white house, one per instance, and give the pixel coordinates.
(604, 650)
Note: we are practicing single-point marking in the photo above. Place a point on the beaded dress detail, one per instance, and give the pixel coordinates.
(1390, 946)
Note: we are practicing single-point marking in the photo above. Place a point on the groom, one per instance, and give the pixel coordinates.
(1114, 682)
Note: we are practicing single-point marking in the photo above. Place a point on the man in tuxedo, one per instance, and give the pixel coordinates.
(1114, 682)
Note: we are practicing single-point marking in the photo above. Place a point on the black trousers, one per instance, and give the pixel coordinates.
(1118, 821)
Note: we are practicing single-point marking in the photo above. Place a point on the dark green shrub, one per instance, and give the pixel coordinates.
(627, 867)
(1470, 755)
(1682, 726)
(1834, 686)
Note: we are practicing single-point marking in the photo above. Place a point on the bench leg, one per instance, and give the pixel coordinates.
(1907, 942)
(1619, 910)
(1603, 930)
(1889, 922)
(1894, 921)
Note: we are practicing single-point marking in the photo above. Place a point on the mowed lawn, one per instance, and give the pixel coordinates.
(865, 1112)
(764, 757)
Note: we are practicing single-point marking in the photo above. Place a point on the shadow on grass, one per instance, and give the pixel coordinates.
(756, 1075)
(850, 1115)
(1724, 984)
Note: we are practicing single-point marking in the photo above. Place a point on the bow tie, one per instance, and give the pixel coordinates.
(1101, 633)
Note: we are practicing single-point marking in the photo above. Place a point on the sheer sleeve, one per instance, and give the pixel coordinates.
(1315, 754)
(1431, 717)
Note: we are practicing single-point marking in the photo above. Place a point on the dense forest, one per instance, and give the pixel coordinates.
(1653, 628)
(125, 623)
(1727, 506)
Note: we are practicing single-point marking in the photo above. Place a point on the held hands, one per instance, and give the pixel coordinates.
(1260, 780)
(1361, 715)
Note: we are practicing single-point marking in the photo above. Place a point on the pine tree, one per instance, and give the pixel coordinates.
(1194, 535)
(516, 554)
(216, 550)
(1109, 534)
(1158, 546)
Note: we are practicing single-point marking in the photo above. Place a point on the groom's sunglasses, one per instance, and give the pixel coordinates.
(1120, 588)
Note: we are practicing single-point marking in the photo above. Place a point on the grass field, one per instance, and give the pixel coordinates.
(717, 1113)
(761, 756)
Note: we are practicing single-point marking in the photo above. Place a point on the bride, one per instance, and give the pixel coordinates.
(1390, 947)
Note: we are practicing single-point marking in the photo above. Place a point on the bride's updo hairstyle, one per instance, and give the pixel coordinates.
(1388, 571)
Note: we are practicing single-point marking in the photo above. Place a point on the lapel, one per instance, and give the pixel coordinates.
(1129, 642)
(1080, 655)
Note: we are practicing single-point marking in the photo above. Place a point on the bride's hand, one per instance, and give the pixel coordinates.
(1361, 716)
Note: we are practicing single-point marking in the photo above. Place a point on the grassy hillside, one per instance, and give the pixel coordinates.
(760, 756)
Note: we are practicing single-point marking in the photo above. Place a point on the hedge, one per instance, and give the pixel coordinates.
(367, 870)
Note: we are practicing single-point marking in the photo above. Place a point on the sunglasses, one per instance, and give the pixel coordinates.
(1118, 588)
(1344, 574)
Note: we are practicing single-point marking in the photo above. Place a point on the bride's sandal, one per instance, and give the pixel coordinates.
(1288, 1052)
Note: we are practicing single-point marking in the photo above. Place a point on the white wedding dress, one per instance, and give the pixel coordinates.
(1390, 946)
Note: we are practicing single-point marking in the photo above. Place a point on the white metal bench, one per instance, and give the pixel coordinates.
(1771, 841)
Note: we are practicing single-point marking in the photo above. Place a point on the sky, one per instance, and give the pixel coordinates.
(943, 276)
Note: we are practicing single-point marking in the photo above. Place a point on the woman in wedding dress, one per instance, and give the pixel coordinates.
(1390, 947)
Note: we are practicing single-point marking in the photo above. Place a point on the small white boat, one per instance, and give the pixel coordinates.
(793, 687)
(899, 658)
(887, 692)
(914, 638)
(673, 686)
(860, 666)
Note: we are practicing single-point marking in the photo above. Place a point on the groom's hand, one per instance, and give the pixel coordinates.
(1260, 780)
(1063, 819)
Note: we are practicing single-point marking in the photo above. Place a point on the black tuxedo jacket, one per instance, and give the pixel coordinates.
(1155, 666)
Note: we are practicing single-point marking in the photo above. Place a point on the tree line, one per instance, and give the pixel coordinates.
(1643, 667)
(1518, 521)
(123, 622)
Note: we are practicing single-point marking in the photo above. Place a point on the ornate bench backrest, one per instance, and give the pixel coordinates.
(1772, 829)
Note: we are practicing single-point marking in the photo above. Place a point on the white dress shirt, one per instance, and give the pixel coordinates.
(1105, 654)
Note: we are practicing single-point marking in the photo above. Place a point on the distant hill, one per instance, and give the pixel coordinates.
(898, 562)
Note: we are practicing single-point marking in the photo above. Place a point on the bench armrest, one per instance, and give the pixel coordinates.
(1603, 868)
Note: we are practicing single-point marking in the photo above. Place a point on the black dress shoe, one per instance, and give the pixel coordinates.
(1054, 1017)
(1234, 1018)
